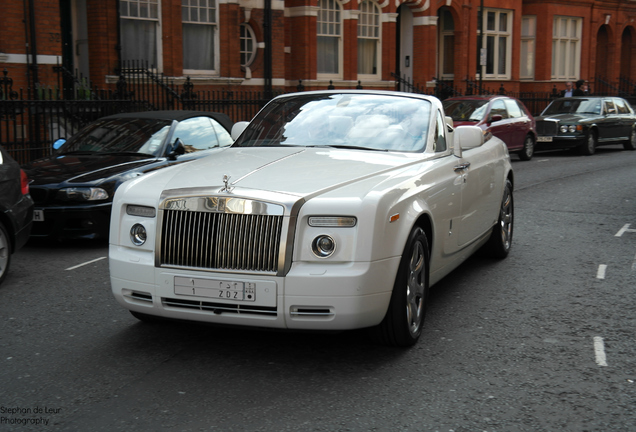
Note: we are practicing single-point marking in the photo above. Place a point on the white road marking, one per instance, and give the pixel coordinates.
(600, 274)
(634, 264)
(86, 263)
(624, 230)
(599, 351)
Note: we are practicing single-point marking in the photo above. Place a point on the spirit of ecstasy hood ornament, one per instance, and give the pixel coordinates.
(226, 181)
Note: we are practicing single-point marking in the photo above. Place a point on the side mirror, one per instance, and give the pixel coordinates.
(177, 150)
(495, 118)
(58, 143)
(466, 138)
(238, 129)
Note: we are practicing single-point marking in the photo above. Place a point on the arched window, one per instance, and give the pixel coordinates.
(368, 38)
(248, 45)
(329, 28)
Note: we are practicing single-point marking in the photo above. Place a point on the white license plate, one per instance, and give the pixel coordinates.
(544, 139)
(215, 289)
(38, 215)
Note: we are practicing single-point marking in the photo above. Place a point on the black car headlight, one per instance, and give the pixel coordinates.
(83, 194)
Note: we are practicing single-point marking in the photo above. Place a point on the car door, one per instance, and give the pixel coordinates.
(519, 125)
(609, 125)
(625, 118)
(502, 128)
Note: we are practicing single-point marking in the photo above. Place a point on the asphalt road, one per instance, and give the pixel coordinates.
(542, 341)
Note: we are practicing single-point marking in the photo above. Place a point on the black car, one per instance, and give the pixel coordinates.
(586, 122)
(73, 189)
(16, 210)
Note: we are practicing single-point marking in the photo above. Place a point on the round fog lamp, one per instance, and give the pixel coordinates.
(323, 246)
(138, 234)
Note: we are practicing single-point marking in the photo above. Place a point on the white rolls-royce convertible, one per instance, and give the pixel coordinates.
(332, 210)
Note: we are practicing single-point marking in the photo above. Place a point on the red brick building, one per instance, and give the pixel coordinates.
(529, 45)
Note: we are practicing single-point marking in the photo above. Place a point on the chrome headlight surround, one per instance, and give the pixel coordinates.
(323, 246)
(138, 234)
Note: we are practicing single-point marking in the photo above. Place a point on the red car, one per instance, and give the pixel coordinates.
(505, 117)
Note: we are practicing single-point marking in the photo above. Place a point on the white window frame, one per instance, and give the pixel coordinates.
(216, 42)
(329, 23)
(566, 47)
(370, 28)
(125, 14)
(528, 47)
(497, 33)
(443, 49)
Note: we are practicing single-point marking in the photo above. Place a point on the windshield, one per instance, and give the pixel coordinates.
(573, 106)
(361, 121)
(466, 110)
(121, 135)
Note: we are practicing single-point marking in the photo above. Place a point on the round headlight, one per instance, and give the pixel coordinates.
(572, 128)
(138, 234)
(323, 246)
(564, 129)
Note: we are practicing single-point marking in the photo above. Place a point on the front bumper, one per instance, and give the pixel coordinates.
(74, 222)
(547, 142)
(341, 296)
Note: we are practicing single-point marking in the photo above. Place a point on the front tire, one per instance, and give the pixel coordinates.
(403, 322)
(501, 237)
(5, 253)
(588, 148)
(630, 144)
(528, 148)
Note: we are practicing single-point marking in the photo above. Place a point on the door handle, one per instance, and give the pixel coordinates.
(462, 166)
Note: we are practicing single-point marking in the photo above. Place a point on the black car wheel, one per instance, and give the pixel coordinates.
(5, 252)
(528, 148)
(630, 144)
(501, 237)
(589, 146)
(404, 319)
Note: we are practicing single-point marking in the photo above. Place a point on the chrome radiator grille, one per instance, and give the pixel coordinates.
(547, 127)
(227, 241)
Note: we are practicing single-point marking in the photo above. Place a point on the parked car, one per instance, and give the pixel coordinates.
(333, 210)
(16, 210)
(73, 189)
(505, 117)
(586, 122)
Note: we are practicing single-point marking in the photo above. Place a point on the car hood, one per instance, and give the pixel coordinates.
(567, 118)
(82, 168)
(294, 170)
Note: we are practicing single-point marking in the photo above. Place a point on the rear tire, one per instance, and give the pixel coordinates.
(526, 153)
(630, 144)
(5, 253)
(501, 237)
(403, 322)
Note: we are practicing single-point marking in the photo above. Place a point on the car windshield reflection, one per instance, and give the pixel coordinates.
(128, 136)
(352, 121)
(574, 106)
